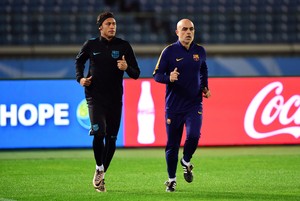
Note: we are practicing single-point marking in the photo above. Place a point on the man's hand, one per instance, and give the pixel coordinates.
(86, 81)
(206, 93)
(122, 64)
(174, 75)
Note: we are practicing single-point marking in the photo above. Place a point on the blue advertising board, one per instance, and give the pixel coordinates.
(44, 114)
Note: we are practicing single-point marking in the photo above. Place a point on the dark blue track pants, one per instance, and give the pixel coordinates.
(175, 123)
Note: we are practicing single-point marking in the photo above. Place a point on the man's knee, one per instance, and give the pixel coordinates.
(96, 131)
(111, 138)
(192, 139)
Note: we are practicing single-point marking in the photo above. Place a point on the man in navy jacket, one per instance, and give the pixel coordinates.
(182, 67)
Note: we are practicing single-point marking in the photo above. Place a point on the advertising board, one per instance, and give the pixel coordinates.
(241, 111)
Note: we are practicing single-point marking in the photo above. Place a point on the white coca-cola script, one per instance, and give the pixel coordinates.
(275, 109)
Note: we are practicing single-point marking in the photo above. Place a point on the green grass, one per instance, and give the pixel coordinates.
(232, 173)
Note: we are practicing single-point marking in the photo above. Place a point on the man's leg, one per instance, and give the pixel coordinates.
(113, 124)
(98, 130)
(174, 126)
(193, 125)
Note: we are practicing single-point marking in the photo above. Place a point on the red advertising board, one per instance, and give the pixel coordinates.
(241, 111)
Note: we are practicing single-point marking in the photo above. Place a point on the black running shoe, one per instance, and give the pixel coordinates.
(187, 172)
(170, 186)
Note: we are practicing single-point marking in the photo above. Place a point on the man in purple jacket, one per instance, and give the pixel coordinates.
(182, 67)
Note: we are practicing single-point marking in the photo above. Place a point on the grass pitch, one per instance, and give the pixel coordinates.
(231, 173)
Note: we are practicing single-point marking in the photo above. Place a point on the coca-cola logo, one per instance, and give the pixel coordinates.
(273, 112)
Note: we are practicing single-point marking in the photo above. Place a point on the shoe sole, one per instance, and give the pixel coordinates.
(188, 177)
(101, 187)
(100, 190)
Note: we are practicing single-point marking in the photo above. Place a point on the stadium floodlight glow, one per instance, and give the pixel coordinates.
(28, 114)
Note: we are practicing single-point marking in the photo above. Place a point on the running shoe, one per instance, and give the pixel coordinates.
(170, 186)
(187, 172)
